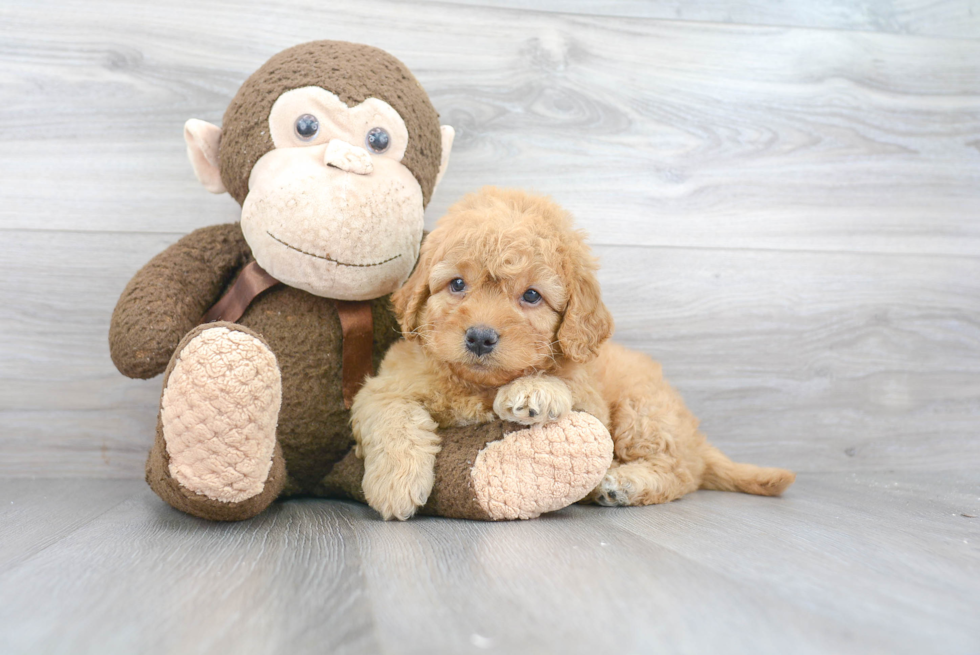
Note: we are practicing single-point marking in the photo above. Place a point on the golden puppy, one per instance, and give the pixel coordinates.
(503, 317)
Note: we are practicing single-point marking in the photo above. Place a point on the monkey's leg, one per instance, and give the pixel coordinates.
(503, 471)
(215, 455)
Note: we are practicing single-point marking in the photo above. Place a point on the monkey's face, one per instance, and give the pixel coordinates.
(331, 209)
(333, 150)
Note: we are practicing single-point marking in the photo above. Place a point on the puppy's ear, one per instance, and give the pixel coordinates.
(586, 323)
(409, 300)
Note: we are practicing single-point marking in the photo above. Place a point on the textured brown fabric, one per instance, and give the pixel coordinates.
(355, 73)
(358, 328)
(252, 281)
(344, 480)
(167, 488)
(355, 320)
(167, 297)
(305, 334)
(452, 495)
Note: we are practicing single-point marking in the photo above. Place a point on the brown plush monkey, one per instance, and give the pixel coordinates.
(333, 150)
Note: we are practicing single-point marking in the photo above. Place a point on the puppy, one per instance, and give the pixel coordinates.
(503, 317)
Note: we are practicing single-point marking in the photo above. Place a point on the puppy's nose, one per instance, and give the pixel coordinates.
(480, 340)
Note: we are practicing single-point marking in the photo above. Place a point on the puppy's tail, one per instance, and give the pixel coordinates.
(722, 474)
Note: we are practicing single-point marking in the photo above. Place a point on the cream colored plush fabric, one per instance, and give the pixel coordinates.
(337, 121)
(219, 413)
(325, 215)
(567, 459)
(202, 140)
(332, 232)
(346, 157)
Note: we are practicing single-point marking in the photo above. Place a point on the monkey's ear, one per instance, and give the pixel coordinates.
(448, 134)
(202, 148)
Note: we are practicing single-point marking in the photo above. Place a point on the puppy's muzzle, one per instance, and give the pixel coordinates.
(481, 340)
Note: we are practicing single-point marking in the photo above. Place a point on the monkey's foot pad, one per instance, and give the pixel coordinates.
(219, 412)
(542, 468)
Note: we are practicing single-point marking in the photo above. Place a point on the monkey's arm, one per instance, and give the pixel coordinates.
(167, 297)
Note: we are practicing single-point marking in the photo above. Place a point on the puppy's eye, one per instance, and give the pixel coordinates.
(531, 297)
(457, 285)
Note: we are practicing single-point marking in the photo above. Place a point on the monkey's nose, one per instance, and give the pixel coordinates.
(480, 340)
(346, 157)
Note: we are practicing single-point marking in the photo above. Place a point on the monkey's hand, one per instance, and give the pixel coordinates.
(533, 399)
(167, 297)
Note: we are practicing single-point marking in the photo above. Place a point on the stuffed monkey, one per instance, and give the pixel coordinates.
(266, 328)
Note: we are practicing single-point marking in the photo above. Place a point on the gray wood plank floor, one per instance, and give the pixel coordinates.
(845, 563)
(785, 198)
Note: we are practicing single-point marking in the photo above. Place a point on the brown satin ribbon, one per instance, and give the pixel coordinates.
(356, 324)
(358, 327)
(252, 281)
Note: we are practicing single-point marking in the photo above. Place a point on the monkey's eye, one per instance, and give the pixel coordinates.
(378, 140)
(307, 126)
(457, 285)
(531, 297)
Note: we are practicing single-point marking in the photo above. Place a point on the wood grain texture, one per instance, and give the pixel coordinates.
(845, 563)
(653, 132)
(948, 18)
(37, 512)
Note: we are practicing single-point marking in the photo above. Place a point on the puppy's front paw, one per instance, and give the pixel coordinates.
(533, 399)
(397, 486)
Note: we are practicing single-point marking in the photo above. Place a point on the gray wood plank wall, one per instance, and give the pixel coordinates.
(785, 198)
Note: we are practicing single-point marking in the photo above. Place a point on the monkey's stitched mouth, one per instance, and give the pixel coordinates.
(330, 259)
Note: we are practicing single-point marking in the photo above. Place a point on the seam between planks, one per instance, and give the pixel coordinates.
(20, 561)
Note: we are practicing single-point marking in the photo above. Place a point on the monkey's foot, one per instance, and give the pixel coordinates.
(502, 471)
(542, 468)
(505, 471)
(219, 412)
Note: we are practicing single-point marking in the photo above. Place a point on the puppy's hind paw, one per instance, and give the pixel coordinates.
(533, 399)
(611, 492)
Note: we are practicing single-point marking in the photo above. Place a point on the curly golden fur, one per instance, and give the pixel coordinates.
(503, 316)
